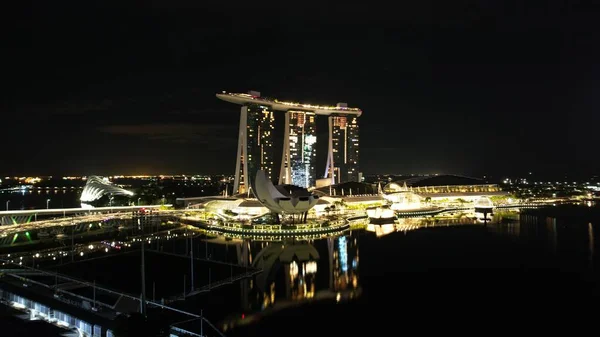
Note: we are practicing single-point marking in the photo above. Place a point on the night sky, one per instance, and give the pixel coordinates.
(465, 87)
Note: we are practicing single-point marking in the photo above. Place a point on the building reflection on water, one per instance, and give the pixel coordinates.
(408, 224)
(572, 236)
(563, 236)
(343, 262)
(328, 269)
(297, 272)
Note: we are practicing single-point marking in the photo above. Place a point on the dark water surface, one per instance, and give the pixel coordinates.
(539, 275)
(37, 199)
(533, 274)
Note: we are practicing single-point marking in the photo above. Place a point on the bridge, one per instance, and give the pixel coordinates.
(52, 297)
(27, 216)
(80, 220)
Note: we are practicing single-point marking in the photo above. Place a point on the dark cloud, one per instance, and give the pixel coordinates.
(212, 134)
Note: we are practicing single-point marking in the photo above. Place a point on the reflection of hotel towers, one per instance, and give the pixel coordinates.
(299, 149)
(343, 263)
(291, 265)
(244, 256)
(255, 145)
(293, 271)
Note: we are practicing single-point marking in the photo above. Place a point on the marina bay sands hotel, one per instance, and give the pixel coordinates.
(255, 149)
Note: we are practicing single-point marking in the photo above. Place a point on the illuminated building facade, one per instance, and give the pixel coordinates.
(289, 273)
(344, 147)
(299, 156)
(97, 187)
(300, 280)
(294, 273)
(343, 262)
(255, 145)
(298, 166)
(261, 124)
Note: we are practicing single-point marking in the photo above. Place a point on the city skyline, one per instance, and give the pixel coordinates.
(243, 168)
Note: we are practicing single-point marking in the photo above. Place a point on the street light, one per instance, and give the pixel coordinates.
(163, 199)
(110, 201)
(47, 203)
(7, 204)
(139, 201)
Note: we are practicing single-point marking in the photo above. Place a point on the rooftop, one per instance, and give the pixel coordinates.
(440, 180)
(239, 98)
(347, 188)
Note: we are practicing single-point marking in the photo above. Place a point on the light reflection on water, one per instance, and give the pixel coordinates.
(283, 282)
(59, 198)
(296, 272)
(571, 239)
(591, 242)
(408, 224)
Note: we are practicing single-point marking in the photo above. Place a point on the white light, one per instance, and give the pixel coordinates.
(106, 250)
(63, 323)
(81, 254)
(311, 267)
(18, 305)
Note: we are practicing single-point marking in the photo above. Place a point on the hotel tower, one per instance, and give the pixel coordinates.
(298, 165)
(255, 145)
(343, 136)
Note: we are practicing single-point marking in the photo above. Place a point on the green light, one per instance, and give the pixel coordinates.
(27, 235)
(14, 238)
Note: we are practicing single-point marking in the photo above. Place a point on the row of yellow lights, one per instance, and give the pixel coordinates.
(309, 106)
(314, 230)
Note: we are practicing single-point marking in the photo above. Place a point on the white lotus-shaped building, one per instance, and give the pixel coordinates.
(278, 200)
(96, 188)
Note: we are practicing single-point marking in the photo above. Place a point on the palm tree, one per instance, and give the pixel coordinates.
(461, 201)
(341, 204)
